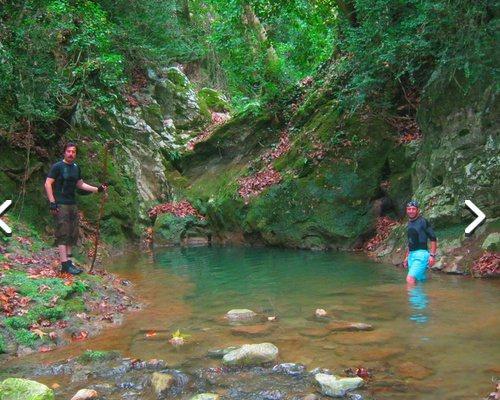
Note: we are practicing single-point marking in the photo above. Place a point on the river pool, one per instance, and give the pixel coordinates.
(439, 340)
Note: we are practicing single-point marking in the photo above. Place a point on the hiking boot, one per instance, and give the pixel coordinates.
(70, 268)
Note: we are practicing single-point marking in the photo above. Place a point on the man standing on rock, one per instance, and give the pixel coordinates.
(63, 179)
(417, 256)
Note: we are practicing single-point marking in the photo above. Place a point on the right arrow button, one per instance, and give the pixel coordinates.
(480, 217)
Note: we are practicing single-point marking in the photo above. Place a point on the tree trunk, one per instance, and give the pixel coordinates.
(184, 11)
(251, 20)
(347, 8)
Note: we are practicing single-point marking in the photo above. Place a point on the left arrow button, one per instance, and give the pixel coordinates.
(3, 226)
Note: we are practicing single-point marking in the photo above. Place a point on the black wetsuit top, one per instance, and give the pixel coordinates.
(66, 176)
(419, 231)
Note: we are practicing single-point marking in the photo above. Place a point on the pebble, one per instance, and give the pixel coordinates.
(289, 369)
(84, 394)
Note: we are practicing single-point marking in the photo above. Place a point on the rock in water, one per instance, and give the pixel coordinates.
(252, 354)
(85, 394)
(339, 326)
(240, 314)
(290, 369)
(337, 387)
(320, 313)
(219, 353)
(24, 389)
(161, 382)
(206, 396)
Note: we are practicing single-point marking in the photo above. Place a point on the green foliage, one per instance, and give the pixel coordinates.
(25, 337)
(42, 292)
(90, 356)
(394, 46)
(298, 37)
(54, 53)
(18, 322)
(32, 287)
(153, 32)
(3, 345)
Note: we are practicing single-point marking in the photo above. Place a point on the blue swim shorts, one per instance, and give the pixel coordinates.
(418, 260)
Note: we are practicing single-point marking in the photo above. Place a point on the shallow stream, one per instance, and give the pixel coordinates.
(439, 340)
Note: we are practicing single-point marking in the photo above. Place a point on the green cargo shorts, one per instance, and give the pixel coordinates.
(66, 225)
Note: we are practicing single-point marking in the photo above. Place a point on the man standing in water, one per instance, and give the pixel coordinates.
(417, 256)
(63, 179)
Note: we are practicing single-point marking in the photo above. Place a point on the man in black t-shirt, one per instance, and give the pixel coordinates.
(418, 257)
(62, 181)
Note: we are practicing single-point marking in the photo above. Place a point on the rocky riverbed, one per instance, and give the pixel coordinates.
(107, 375)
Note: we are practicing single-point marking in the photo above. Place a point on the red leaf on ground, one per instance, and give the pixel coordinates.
(82, 335)
(217, 119)
(107, 317)
(281, 148)
(384, 227)
(487, 265)
(179, 209)
(253, 185)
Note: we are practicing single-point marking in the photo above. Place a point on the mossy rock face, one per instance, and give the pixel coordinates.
(214, 100)
(170, 230)
(178, 100)
(32, 206)
(318, 205)
(24, 389)
(459, 158)
(329, 210)
(176, 76)
(492, 242)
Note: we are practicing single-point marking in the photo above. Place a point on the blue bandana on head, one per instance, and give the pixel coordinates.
(413, 203)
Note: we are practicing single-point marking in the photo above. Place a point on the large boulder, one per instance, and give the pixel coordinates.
(24, 389)
(332, 386)
(170, 230)
(252, 354)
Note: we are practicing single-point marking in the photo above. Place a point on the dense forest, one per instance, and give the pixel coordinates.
(56, 54)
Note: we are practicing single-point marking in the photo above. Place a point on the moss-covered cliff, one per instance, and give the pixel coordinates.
(303, 172)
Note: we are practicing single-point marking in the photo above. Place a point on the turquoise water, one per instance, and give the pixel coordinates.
(436, 341)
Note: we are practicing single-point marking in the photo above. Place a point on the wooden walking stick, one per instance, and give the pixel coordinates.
(101, 206)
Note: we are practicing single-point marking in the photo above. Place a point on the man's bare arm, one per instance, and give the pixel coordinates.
(48, 189)
(84, 186)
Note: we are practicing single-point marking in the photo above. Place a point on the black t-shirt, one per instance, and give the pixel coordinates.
(419, 231)
(66, 176)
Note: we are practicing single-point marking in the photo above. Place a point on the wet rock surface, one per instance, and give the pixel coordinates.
(16, 388)
(252, 354)
(116, 377)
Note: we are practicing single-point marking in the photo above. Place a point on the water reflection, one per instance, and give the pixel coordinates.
(418, 302)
